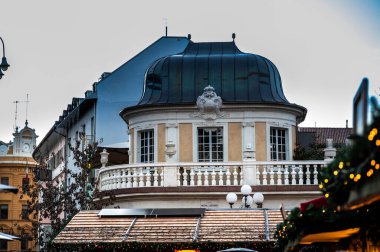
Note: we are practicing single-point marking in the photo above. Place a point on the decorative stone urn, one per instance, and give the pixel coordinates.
(104, 157)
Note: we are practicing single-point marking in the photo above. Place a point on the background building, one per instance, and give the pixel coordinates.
(16, 169)
(96, 116)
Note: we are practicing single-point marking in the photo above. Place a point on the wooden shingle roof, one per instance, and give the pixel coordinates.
(87, 227)
(224, 225)
(163, 229)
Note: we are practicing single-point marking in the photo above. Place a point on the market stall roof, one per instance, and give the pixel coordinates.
(7, 237)
(214, 225)
(7, 188)
(333, 236)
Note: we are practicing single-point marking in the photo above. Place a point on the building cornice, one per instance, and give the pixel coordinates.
(298, 111)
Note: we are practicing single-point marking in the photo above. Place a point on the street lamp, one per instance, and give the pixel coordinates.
(4, 64)
(247, 200)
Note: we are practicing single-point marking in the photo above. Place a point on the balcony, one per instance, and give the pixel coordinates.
(273, 173)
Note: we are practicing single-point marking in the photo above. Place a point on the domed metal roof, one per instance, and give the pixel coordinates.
(236, 76)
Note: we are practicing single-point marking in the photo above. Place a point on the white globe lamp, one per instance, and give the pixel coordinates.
(246, 190)
(258, 198)
(231, 198)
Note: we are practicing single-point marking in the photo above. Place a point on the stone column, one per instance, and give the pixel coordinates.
(249, 168)
(171, 142)
(171, 151)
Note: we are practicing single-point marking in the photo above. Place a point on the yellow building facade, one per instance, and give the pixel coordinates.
(16, 169)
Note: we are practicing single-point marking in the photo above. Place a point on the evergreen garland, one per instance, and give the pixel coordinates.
(353, 167)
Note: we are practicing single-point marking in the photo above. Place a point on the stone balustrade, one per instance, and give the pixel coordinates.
(209, 174)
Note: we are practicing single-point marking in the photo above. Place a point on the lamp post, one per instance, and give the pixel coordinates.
(247, 200)
(4, 64)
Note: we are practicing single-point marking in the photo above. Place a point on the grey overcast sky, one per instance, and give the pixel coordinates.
(57, 49)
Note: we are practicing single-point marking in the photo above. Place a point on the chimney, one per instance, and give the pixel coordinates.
(346, 124)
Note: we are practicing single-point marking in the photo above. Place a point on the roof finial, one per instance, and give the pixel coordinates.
(27, 103)
(166, 26)
(233, 36)
(189, 36)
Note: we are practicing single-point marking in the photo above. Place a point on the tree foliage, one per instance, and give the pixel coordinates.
(53, 203)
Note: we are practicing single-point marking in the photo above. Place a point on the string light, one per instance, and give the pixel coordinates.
(326, 181)
(335, 172)
(357, 177)
(340, 165)
(369, 172)
(372, 134)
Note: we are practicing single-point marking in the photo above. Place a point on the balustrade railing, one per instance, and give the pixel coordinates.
(288, 172)
(209, 174)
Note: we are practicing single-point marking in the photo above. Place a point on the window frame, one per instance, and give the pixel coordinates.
(24, 244)
(1, 212)
(3, 182)
(196, 125)
(210, 145)
(286, 138)
(3, 245)
(25, 184)
(24, 212)
(151, 147)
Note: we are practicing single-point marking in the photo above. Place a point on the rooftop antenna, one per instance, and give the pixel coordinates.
(166, 26)
(16, 112)
(27, 104)
(15, 127)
